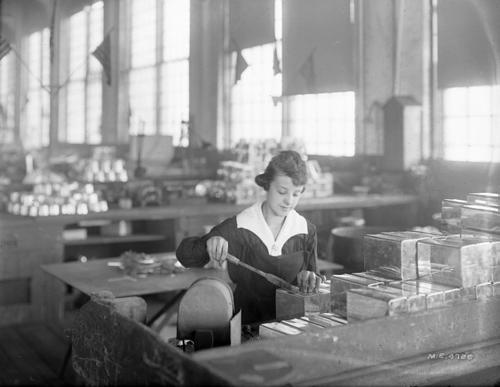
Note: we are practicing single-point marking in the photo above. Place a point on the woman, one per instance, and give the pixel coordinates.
(269, 235)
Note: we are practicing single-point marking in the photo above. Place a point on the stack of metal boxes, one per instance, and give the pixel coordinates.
(433, 270)
(410, 271)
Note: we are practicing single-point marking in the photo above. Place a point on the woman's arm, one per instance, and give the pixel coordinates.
(308, 279)
(192, 251)
(311, 253)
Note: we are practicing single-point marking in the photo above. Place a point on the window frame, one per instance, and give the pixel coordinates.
(159, 67)
(91, 77)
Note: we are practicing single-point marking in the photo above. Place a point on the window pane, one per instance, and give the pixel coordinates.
(174, 98)
(95, 33)
(45, 118)
(142, 94)
(45, 57)
(455, 131)
(480, 100)
(34, 126)
(175, 29)
(455, 101)
(31, 133)
(35, 60)
(75, 130)
(7, 93)
(480, 130)
(94, 111)
(456, 153)
(143, 32)
(84, 100)
(469, 116)
(278, 19)
(254, 114)
(325, 122)
(77, 46)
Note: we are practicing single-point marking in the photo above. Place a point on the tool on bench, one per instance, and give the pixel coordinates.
(275, 280)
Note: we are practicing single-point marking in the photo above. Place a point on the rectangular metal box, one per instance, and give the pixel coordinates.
(455, 261)
(339, 284)
(481, 218)
(291, 305)
(394, 251)
(484, 198)
(368, 303)
(451, 215)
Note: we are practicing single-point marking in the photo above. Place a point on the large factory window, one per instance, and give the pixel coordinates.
(84, 88)
(289, 88)
(470, 123)
(159, 74)
(35, 128)
(467, 79)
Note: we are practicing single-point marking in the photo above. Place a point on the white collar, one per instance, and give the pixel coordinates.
(253, 220)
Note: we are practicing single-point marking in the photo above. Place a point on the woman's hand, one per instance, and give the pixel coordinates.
(217, 250)
(309, 281)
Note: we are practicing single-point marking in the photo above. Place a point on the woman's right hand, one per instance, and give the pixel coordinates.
(217, 248)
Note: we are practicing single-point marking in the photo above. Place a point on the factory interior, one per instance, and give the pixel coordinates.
(250, 192)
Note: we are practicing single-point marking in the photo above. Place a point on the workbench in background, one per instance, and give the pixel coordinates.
(28, 242)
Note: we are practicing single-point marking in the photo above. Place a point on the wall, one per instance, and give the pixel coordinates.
(391, 62)
(456, 179)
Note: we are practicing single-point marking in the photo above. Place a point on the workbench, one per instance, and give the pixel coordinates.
(28, 242)
(417, 349)
(457, 344)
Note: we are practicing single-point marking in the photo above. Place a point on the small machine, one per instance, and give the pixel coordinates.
(206, 314)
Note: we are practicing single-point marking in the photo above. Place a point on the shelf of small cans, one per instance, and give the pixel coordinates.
(53, 199)
(104, 170)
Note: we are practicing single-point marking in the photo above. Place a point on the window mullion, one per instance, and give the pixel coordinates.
(86, 76)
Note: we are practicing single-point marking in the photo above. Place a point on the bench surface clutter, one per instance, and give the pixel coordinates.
(113, 346)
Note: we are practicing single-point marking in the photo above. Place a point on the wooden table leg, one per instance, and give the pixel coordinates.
(165, 307)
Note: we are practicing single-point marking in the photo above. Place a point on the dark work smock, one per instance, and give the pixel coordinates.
(250, 239)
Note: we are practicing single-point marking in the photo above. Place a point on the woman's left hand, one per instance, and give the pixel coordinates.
(309, 281)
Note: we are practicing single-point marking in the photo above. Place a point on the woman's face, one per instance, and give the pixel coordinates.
(283, 195)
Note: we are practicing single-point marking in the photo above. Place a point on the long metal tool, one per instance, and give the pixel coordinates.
(275, 280)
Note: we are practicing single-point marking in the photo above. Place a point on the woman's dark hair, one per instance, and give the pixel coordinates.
(288, 163)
